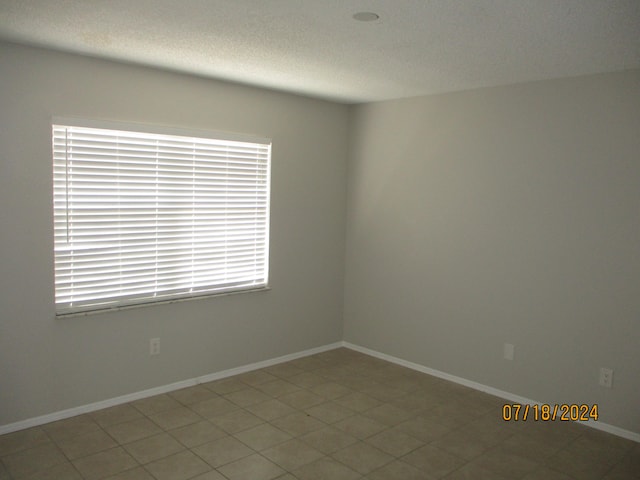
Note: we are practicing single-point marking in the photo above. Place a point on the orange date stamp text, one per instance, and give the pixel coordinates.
(514, 412)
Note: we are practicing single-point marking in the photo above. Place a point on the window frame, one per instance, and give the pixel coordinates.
(115, 303)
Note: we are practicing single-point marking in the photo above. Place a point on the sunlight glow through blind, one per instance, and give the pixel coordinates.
(142, 217)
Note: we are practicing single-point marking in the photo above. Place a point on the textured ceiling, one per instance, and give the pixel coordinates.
(316, 48)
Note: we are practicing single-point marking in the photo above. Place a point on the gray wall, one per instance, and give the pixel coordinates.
(500, 215)
(49, 364)
(473, 219)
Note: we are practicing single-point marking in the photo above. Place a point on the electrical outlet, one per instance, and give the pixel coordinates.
(509, 351)
(154, 346)
(606, 377)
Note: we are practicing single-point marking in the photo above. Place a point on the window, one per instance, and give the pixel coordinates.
(141, 216)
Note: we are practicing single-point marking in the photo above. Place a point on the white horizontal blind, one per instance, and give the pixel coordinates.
(142, 217)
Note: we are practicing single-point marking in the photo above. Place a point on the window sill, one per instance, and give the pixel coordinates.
(158, 302)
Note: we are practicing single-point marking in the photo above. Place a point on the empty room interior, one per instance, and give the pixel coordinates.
(445, 269)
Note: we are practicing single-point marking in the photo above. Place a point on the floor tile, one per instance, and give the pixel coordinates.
(271, 409)
(284, 370)
(104, 464)
(236, 421)
(114, 415)
(134, 474)
(615, 474)
(83, 445)
(579, 465)
(324, 469)
(452, 390)
(425, 383)
(544, 473)
(338, 373)
(630, 463)
(307, 380)
(247, 396)
(433, 461)
(277, 388)
(358, 382)
(527, 446)
(214, 407)
(602, 446)
(462, 444)
(254, 467)
(70, 427)
(133, 430)
(29, 461)
(262, 437)
(559, 433)
(298, 424)
(384, 393)
(397, 470)
(308, 363)
(197, 433)
(181, 466)
(491, 422)
(328, 440)
(4, 473)
(301, 399)
(63, 471)
(292, 454)
(405, 383)
(225, 385)
(329, 412)
(155, 404)
(256, 377)
(174, 418)
(474, 408)
(487, 434)
(424, 429)
(478, 397)
(211, 475)
(331, 390)
(360, 427)
(153, 448)
(474, 472)
(222, 451)
(22, 440)
(416, 402)
(394, 442)
(358, 402)
(447, 415)
(362, 457)
(191, 395)
(388, 414)
(506, 464)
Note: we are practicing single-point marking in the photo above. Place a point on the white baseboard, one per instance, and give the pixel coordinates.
(486, 389)
(112, 402)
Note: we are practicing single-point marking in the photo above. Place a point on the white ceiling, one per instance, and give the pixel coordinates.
(316, 48)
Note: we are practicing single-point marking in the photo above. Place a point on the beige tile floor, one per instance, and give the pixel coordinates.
(336, 415)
